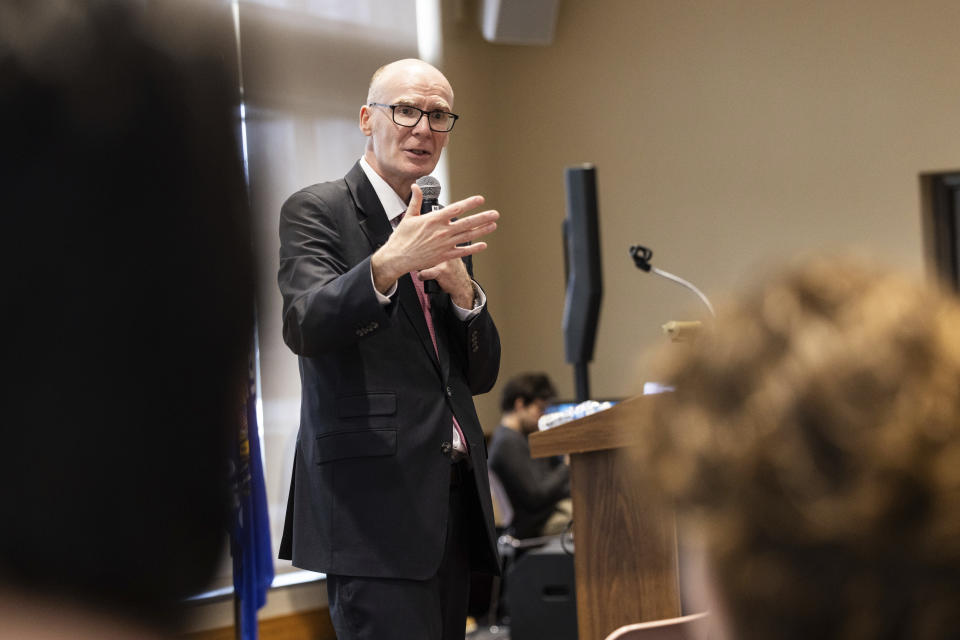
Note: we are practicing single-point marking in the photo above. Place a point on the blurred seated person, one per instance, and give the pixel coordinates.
(538, 488)
(127, 283)
(813, 444)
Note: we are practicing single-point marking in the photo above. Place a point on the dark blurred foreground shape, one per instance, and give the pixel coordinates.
(127, 289)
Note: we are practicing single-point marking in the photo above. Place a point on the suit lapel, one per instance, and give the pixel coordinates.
(370, 214)
(373, 222)
(410, 304)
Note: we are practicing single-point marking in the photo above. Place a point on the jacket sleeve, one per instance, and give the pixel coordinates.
(529, 485)
(328, 296)
(478, 341)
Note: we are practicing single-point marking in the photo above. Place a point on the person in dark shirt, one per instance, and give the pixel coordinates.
(538, 488)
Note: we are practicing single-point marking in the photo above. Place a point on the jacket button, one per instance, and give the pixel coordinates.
(449, 392)
(446, 448)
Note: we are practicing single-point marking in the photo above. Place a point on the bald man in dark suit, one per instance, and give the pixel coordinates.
(389, 495)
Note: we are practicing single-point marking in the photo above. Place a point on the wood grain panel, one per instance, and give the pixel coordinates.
(608, 429)
(625, 547)
(306, 625)
(626, 552)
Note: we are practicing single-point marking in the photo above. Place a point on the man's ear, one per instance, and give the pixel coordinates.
(364, 123)
(518, 404)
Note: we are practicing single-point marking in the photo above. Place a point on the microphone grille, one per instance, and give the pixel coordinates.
(430, 187)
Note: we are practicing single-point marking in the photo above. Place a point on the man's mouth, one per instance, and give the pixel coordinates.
(418, 152)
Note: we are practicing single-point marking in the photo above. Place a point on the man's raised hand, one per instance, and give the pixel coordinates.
(423, 242)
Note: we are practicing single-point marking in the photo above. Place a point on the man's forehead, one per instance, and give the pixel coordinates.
(419, 99)
(413, 83)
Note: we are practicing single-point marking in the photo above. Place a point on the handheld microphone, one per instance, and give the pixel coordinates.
(430, 187)
(431, 194)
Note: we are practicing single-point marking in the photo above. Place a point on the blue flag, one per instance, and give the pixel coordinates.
(250, 539)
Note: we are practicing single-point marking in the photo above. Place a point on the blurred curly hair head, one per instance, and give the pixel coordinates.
(814, 435)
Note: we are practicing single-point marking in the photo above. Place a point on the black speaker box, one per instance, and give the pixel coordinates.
(541, 595)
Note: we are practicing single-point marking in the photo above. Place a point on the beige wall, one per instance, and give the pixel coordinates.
(727, 136)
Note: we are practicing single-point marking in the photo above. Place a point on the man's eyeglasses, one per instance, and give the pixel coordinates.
(408, 116)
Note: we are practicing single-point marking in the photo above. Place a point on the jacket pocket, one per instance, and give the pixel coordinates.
(367, 404)
(356, 444)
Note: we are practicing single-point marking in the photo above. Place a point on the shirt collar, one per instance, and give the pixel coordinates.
(392, 204)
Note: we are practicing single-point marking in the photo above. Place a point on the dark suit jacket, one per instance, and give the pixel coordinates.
(369, 494)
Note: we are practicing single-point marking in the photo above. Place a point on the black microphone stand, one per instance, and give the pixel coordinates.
(641, 257)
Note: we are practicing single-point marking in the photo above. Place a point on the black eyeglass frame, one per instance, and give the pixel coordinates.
(393, 115)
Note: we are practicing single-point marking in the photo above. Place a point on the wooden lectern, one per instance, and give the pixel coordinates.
(625, 557)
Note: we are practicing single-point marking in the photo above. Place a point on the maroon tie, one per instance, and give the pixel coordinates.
(425, 307)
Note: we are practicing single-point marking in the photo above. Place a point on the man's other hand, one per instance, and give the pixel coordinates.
(429, 243)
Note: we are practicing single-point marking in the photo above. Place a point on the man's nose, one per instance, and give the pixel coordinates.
(423, 126)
